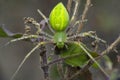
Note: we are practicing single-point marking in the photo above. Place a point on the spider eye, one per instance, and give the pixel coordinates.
(59, 17)
(60, 44)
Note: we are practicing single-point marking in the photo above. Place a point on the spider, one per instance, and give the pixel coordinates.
(62, 28)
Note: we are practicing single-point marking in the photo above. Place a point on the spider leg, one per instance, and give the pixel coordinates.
(22, 38)
(46, 34)
(46, 19)
(28, 37)
(93, 35)
(26, 57)
(78, 22)
(87, 34)
(92, 58)
(70, 29)
(74, 15)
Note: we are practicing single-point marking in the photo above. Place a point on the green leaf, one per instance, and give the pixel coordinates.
(59, 17)
(54, 74)
(78, 56)
(95, 66)
(2, 32)
(108, 62)
(7, 34)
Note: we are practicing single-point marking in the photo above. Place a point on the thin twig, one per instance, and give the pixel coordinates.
(87, 6)
(69, 5)
(60, 70)
(66, 73)
(75, 12)
(110, 48)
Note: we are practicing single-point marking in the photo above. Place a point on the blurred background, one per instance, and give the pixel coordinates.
(103, 17)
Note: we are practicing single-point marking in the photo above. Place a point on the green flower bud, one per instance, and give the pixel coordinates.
(59, 18)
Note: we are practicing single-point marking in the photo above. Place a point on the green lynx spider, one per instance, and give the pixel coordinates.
(60, 27)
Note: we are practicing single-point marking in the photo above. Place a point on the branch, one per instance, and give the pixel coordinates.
(43, 60)
(87, 6)
(75, 12)
(110, 48)
(69, 5)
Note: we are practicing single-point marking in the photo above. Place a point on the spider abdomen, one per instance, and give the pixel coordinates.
(59, 18)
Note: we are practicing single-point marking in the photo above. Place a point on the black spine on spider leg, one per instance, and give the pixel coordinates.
(43, 56)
